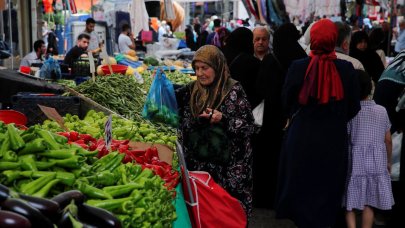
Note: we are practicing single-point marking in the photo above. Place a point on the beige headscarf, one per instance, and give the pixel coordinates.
(211, 96)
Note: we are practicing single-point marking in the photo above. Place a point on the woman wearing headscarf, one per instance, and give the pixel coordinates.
(360, 49)
(387, 91)
(220, 37)
(320, 95)
(269, 86)
(377, 42)
(242, 64)
(216, 100)
(190, 39)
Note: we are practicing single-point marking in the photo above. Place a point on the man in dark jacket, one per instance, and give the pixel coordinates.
(78, 50)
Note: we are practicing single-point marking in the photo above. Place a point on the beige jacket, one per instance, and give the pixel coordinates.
(356, 63)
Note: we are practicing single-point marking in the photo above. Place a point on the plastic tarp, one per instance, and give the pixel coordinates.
(179, 14)
(169, 10)
(139, 17)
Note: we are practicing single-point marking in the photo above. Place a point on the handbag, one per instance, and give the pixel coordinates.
(208, 142)
(146, 36)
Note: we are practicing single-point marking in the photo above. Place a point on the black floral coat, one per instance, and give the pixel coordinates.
(236, 175)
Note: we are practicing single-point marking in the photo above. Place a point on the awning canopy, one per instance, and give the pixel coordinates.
(202, 0)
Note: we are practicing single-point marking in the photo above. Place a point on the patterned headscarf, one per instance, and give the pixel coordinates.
(211, 96)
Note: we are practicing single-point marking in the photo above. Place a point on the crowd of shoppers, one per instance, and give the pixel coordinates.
(307, 158)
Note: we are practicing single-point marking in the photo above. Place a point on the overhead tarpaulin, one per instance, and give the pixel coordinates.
(139, 17)
(198, 0)
(178, 12)
(169, 10)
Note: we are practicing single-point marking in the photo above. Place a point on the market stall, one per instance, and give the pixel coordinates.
(60, 159)
(11, 82)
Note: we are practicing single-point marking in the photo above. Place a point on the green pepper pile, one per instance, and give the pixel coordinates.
(41, 163)
(117, 92)
(68, 83)
(122, 129)
(176, 77)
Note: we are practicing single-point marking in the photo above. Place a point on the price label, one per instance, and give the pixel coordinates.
(105, 56)
(91, 59)
(108, 132)
(52, 114)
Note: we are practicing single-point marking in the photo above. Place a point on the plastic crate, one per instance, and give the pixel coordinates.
(27, 103)
(81, 67)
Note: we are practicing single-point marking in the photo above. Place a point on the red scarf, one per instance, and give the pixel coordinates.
(322, 80)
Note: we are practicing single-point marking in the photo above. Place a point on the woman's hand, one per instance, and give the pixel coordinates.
(213, 115)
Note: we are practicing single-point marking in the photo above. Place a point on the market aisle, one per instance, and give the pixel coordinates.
(262, 218)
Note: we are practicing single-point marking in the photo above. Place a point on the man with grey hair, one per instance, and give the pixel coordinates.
(261, 42)
(400, 45)
(343, 45)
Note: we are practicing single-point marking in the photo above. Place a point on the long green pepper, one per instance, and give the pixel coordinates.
(16, 141)
(37, 184)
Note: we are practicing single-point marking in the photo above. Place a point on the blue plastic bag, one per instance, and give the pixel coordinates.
(161, 104)
(50, 69)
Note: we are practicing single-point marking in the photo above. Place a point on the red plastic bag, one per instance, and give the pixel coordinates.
(146, 36)
(213, 206)
(48, 6)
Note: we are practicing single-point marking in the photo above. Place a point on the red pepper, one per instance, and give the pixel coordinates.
(153, 154)
(114, 141)
(102, 152)
(137, 152)
(140, 160)
(87, 138)
(123, 148)
(84, 146)
(74, 136)
(92, 146)
(127, 159)
(100, 144)
(160, 163)
(66, 134)
(80, 141)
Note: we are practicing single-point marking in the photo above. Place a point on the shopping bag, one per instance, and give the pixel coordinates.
(50, 69)
(208, 204)
(258, 113)
(212, 206)
(161, 104)
(5, 51)
(209, 142)
(146, 36)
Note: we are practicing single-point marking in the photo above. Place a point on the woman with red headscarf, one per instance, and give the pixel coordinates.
(320, 96)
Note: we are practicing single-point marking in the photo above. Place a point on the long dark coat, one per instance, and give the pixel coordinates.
(313, 161)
